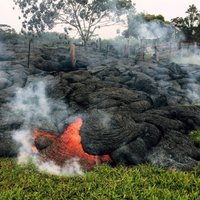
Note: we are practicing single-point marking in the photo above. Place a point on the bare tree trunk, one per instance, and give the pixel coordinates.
(85, 44)
(99, 44)
(107, 50)
(29, 51)
(72, 53)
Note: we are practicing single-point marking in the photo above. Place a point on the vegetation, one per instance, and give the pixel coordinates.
(82, 15)
(150, 17)
(7, 33)
(136, 23)
(195, 137)
(51, 39)
(190, 25)
(141, 182)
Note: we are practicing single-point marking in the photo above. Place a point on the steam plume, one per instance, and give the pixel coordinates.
(38, 111)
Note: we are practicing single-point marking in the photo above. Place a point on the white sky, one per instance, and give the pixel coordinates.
(168, 8)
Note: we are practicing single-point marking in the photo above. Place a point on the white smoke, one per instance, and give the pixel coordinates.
(143, 36)
(140, 28)
(105, 119)
(36, 110)
(31, 103)
(24, 138)
(188, 54)
(194, 94)
(71, 167)
(167, 40)
(152, 30)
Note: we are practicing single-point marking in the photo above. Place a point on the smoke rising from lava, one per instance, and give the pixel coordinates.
(37, 111)
(145, 34)
(148, 34)
(188, 54)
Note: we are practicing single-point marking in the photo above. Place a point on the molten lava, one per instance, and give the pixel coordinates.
(68, 146)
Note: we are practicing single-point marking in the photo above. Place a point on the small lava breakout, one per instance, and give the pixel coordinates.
(60, 148)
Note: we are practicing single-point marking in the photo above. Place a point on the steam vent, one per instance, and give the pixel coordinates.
(127, 110)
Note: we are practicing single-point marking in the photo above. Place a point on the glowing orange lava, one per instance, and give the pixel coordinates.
(67, 146)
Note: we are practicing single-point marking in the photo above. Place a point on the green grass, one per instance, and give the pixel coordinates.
(195, 137)
(141, 182)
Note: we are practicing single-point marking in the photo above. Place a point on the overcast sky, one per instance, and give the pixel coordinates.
(168, 8)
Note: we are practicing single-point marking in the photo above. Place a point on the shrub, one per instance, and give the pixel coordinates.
(7, 33)
(195, 137)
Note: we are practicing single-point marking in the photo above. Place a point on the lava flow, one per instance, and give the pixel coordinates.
(60, 148)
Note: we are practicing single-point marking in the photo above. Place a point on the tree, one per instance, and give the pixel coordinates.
(35, 20)
(190, 25)
(150, 17)
(7, 33)
(85, 16)
(144, 25)
(6, 28)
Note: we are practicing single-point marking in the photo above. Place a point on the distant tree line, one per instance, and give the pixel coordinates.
(7, 33)
(86, 16)
(136, 21)
(189, 25)
(83, 16)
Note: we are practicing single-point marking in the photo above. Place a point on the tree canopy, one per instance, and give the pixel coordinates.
(6, 28)
(190, 25)
(150, 17)
(85, 16)
(145, 26)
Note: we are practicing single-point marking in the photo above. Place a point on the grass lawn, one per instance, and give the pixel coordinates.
(141, 182)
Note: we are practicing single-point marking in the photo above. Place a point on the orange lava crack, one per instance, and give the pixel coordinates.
(68, 146)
